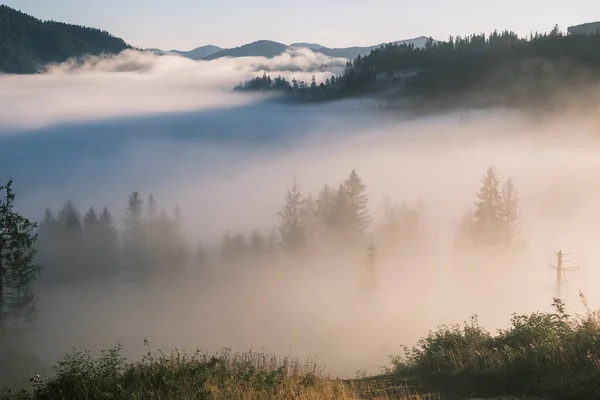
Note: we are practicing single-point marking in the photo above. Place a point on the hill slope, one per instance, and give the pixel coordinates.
(27, 43)
(589, 28)
(261, 48)
(196, 54)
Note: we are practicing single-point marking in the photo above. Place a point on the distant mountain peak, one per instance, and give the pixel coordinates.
(269, 49)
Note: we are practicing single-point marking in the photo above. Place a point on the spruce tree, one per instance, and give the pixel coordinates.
(370, 280)
(108, 244)
(135, 238)
(17, 268)
(324, 205)
(92, 257)
(48, 243)
(510, 216)
(257, 244)
(488, 225)
(293, 238)
(71, 250)
(350, 216)
(465, 237)
(168, 248)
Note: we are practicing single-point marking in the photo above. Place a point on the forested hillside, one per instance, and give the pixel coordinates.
(502, 66)
(27, 43)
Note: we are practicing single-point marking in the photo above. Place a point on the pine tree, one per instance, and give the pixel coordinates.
(48, 243)
(308, 217)
(257, 244)
(510, 215)
(70, 249)
(168, 249)
(17, 270)
(339, 219)
(91, 262)
(293, 238)
(488, 224)
(90, 222)
(135, 238)
(357, 212)
(226, 247)
(323, 209)
(108, 244)
(465, 236)
(370, 280)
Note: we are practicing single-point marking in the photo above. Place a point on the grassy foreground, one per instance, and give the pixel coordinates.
(550, 355)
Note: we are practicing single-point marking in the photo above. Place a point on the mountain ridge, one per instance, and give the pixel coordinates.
(269, 49)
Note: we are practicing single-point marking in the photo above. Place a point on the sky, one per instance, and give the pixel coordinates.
(186, 24)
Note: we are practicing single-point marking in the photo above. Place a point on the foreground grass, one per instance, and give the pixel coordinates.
(550, 355)
(224, 375)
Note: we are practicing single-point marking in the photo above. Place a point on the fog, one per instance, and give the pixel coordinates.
(96, 132)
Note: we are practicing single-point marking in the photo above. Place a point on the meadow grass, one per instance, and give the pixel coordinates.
(547, 354)
(553, 355)
(177, 375)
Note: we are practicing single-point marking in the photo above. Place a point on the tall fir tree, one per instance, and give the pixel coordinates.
(350, 217)
(71, 251)
(324, 205)
(134, 239)
(108, 244)
(48, 242)
(293, 237)
(257, 245)
(510, 216)
(370, 279)
(17, 268)
(465, 236)
(91, 263)
(169, 250)
(488, 224)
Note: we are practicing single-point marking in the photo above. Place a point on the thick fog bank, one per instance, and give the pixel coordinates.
(227, 161)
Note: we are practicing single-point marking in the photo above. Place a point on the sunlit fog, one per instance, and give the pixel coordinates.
(218, 165)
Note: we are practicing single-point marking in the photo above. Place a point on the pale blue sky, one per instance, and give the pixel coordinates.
(185, 24)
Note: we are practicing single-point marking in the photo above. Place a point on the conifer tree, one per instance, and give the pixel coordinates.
(293, 238)
(257, 244)
(70, 249)
(108, 244)
(324, 205)
(339, 219)
(350, 216)
(308, 217)
(226, 247)
(510, 215)
(91, 260)
(135, 238)
(17, 268)
(465, 236)
(358, 201)
(370, 280)
(48, 242)
(169, 250)
(488, 225)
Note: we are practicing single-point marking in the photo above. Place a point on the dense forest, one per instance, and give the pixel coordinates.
(75, 246)
(27, 43)
(501, 66)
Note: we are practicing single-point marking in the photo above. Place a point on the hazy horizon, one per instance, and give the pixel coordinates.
(156, 25)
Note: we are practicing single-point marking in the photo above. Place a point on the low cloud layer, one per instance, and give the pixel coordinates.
(227, 160)
(142, 83)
